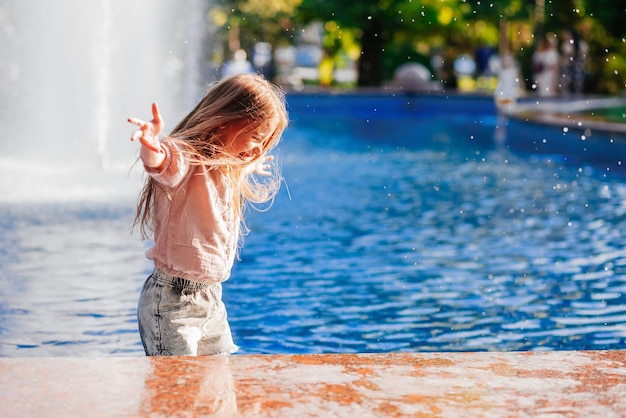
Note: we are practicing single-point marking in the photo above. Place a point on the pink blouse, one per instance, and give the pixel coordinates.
(195, 233)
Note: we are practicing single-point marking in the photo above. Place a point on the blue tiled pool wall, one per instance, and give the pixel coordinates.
(568, 145)
(377, 117)
(386, 105)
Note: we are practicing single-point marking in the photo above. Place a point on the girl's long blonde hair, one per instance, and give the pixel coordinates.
(236, 99)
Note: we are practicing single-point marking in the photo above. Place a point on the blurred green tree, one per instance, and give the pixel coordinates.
(243, 23)
(391, 32)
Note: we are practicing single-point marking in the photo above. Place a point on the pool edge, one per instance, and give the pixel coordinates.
(570, 383)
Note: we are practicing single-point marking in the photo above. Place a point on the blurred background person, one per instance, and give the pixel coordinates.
(573, 56)
(238, 64)
(508, 89)
(545, 64)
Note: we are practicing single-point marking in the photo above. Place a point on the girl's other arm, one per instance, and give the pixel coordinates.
(261, 167)
(151, 153)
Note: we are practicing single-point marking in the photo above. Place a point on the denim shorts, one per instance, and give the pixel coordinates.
(178, 317)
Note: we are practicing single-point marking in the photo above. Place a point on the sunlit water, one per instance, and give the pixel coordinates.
(396, 232)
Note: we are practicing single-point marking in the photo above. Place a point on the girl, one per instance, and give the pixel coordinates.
(200, 178)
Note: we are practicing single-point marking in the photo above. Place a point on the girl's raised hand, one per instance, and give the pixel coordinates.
(262, 166)
(148, 135)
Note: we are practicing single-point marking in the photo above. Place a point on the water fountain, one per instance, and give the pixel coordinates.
(71, 72)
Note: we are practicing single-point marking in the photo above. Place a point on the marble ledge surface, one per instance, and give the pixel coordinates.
(539, 384)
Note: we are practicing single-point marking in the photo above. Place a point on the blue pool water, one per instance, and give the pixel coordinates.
(404, 226)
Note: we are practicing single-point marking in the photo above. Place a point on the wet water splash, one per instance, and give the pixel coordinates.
(71, 72)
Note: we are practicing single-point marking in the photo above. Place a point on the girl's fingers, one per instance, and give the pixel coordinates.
(264, 170)
(157, 119)
(156, 115)
(136, 135)
(151, 146)
(148, 131)
(137, 122)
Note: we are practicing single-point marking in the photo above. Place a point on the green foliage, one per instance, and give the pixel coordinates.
(256, 21)
(387, 33)
(495, 10)
(612, 114)
(609, 15)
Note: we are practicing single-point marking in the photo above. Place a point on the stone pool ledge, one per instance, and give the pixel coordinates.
(518, 384)
(565, 113)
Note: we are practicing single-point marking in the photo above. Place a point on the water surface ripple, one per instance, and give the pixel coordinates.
(398, 234)
(431, 241)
